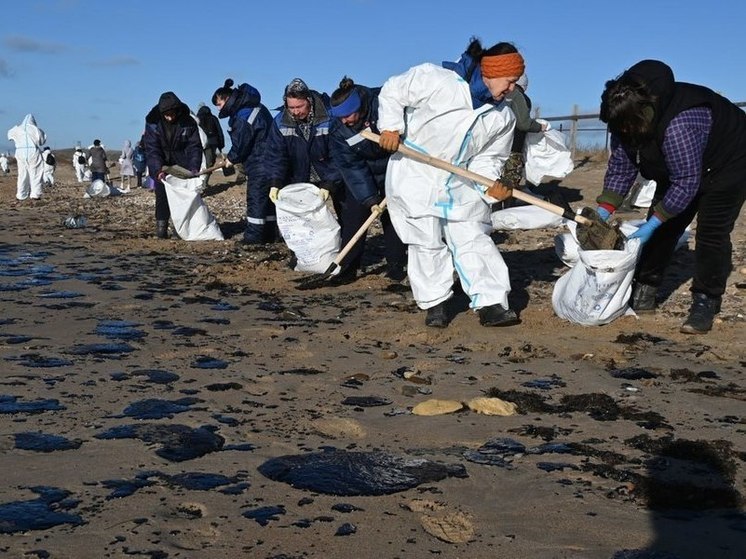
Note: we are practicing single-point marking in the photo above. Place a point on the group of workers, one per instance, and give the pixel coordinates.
(689, 139)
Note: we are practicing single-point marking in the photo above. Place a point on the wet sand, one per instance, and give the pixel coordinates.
(148, 386)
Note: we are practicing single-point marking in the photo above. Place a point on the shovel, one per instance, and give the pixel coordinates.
(182, 173)
(317, 280)
(600, 235)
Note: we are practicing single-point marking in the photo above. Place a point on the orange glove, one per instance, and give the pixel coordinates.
(389, 140)
(499, 191)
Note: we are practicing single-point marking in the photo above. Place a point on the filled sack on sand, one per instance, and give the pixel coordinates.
(191, 217)
(597, 289)
(525, 217)
(308, 227)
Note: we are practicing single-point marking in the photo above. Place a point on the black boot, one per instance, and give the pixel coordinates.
(396, 271)
(437, 316)
(161, 229)
(643, 298)
(497, 315)
(701, 314)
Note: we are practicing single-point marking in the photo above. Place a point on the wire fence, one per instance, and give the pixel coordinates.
(571, 125)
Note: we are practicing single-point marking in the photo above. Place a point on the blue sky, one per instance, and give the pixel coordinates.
(93, 69)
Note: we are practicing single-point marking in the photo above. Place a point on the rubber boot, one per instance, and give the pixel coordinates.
(643, 298)
(161, 229)
(437, 316)
(497, 315)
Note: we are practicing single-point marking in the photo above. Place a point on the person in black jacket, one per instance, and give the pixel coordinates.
(249, 123)
(692, 142)
(362, 164)
(210, 124)
(171, 138)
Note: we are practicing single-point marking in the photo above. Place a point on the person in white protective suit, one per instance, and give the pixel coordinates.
(48, 174)
(4, 164)
(28, 138)
(445, 219)
(79, 163)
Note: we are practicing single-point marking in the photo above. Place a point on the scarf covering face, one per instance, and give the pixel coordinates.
(503, 66)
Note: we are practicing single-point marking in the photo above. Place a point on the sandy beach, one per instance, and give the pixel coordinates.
(166, 399)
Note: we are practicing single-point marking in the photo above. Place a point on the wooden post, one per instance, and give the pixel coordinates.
(574, 132)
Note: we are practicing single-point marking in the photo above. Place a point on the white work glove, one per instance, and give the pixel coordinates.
(274, 192)
(323, 194)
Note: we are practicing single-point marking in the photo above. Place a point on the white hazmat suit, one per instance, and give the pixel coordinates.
(48, 174)
(445, 219)
(28, 138)
(78, 166)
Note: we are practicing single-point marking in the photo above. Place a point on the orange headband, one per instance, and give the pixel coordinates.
(509, 65)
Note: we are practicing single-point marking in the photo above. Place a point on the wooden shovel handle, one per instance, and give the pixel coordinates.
(209, 170)
(360, 232)
(480, 179)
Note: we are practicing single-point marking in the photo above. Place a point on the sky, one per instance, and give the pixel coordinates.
(94, 69)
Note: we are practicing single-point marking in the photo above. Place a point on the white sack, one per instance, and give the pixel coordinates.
(566, 247)
(597, 289)
(308, 227)
(97, 189)
(546, 155)
(566, 244)
(191, 217)
(525, 217)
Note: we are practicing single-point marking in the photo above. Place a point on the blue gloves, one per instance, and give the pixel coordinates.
(646, 230)
(603, 213)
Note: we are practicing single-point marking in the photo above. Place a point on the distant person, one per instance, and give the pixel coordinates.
(249, 123)
(79, 163)
(4, 164)
(50, 164)
(444, 219)
(126, 168)
(28, 138)
(171, 138)
(692, 142)
(215, 137)
(139, 161)
(362, 164)
(97, 161)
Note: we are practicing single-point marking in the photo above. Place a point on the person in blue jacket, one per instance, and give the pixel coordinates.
(298, 143)
(362, 164)
(171, 138)
(249, 123)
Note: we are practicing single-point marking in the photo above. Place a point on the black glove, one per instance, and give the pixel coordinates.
(373, 201)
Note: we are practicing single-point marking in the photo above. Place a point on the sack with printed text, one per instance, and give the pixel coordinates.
(308, 227)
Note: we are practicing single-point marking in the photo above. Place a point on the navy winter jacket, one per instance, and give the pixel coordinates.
(290, 156)
(176, 144)
(361, 162)
(249, 123)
